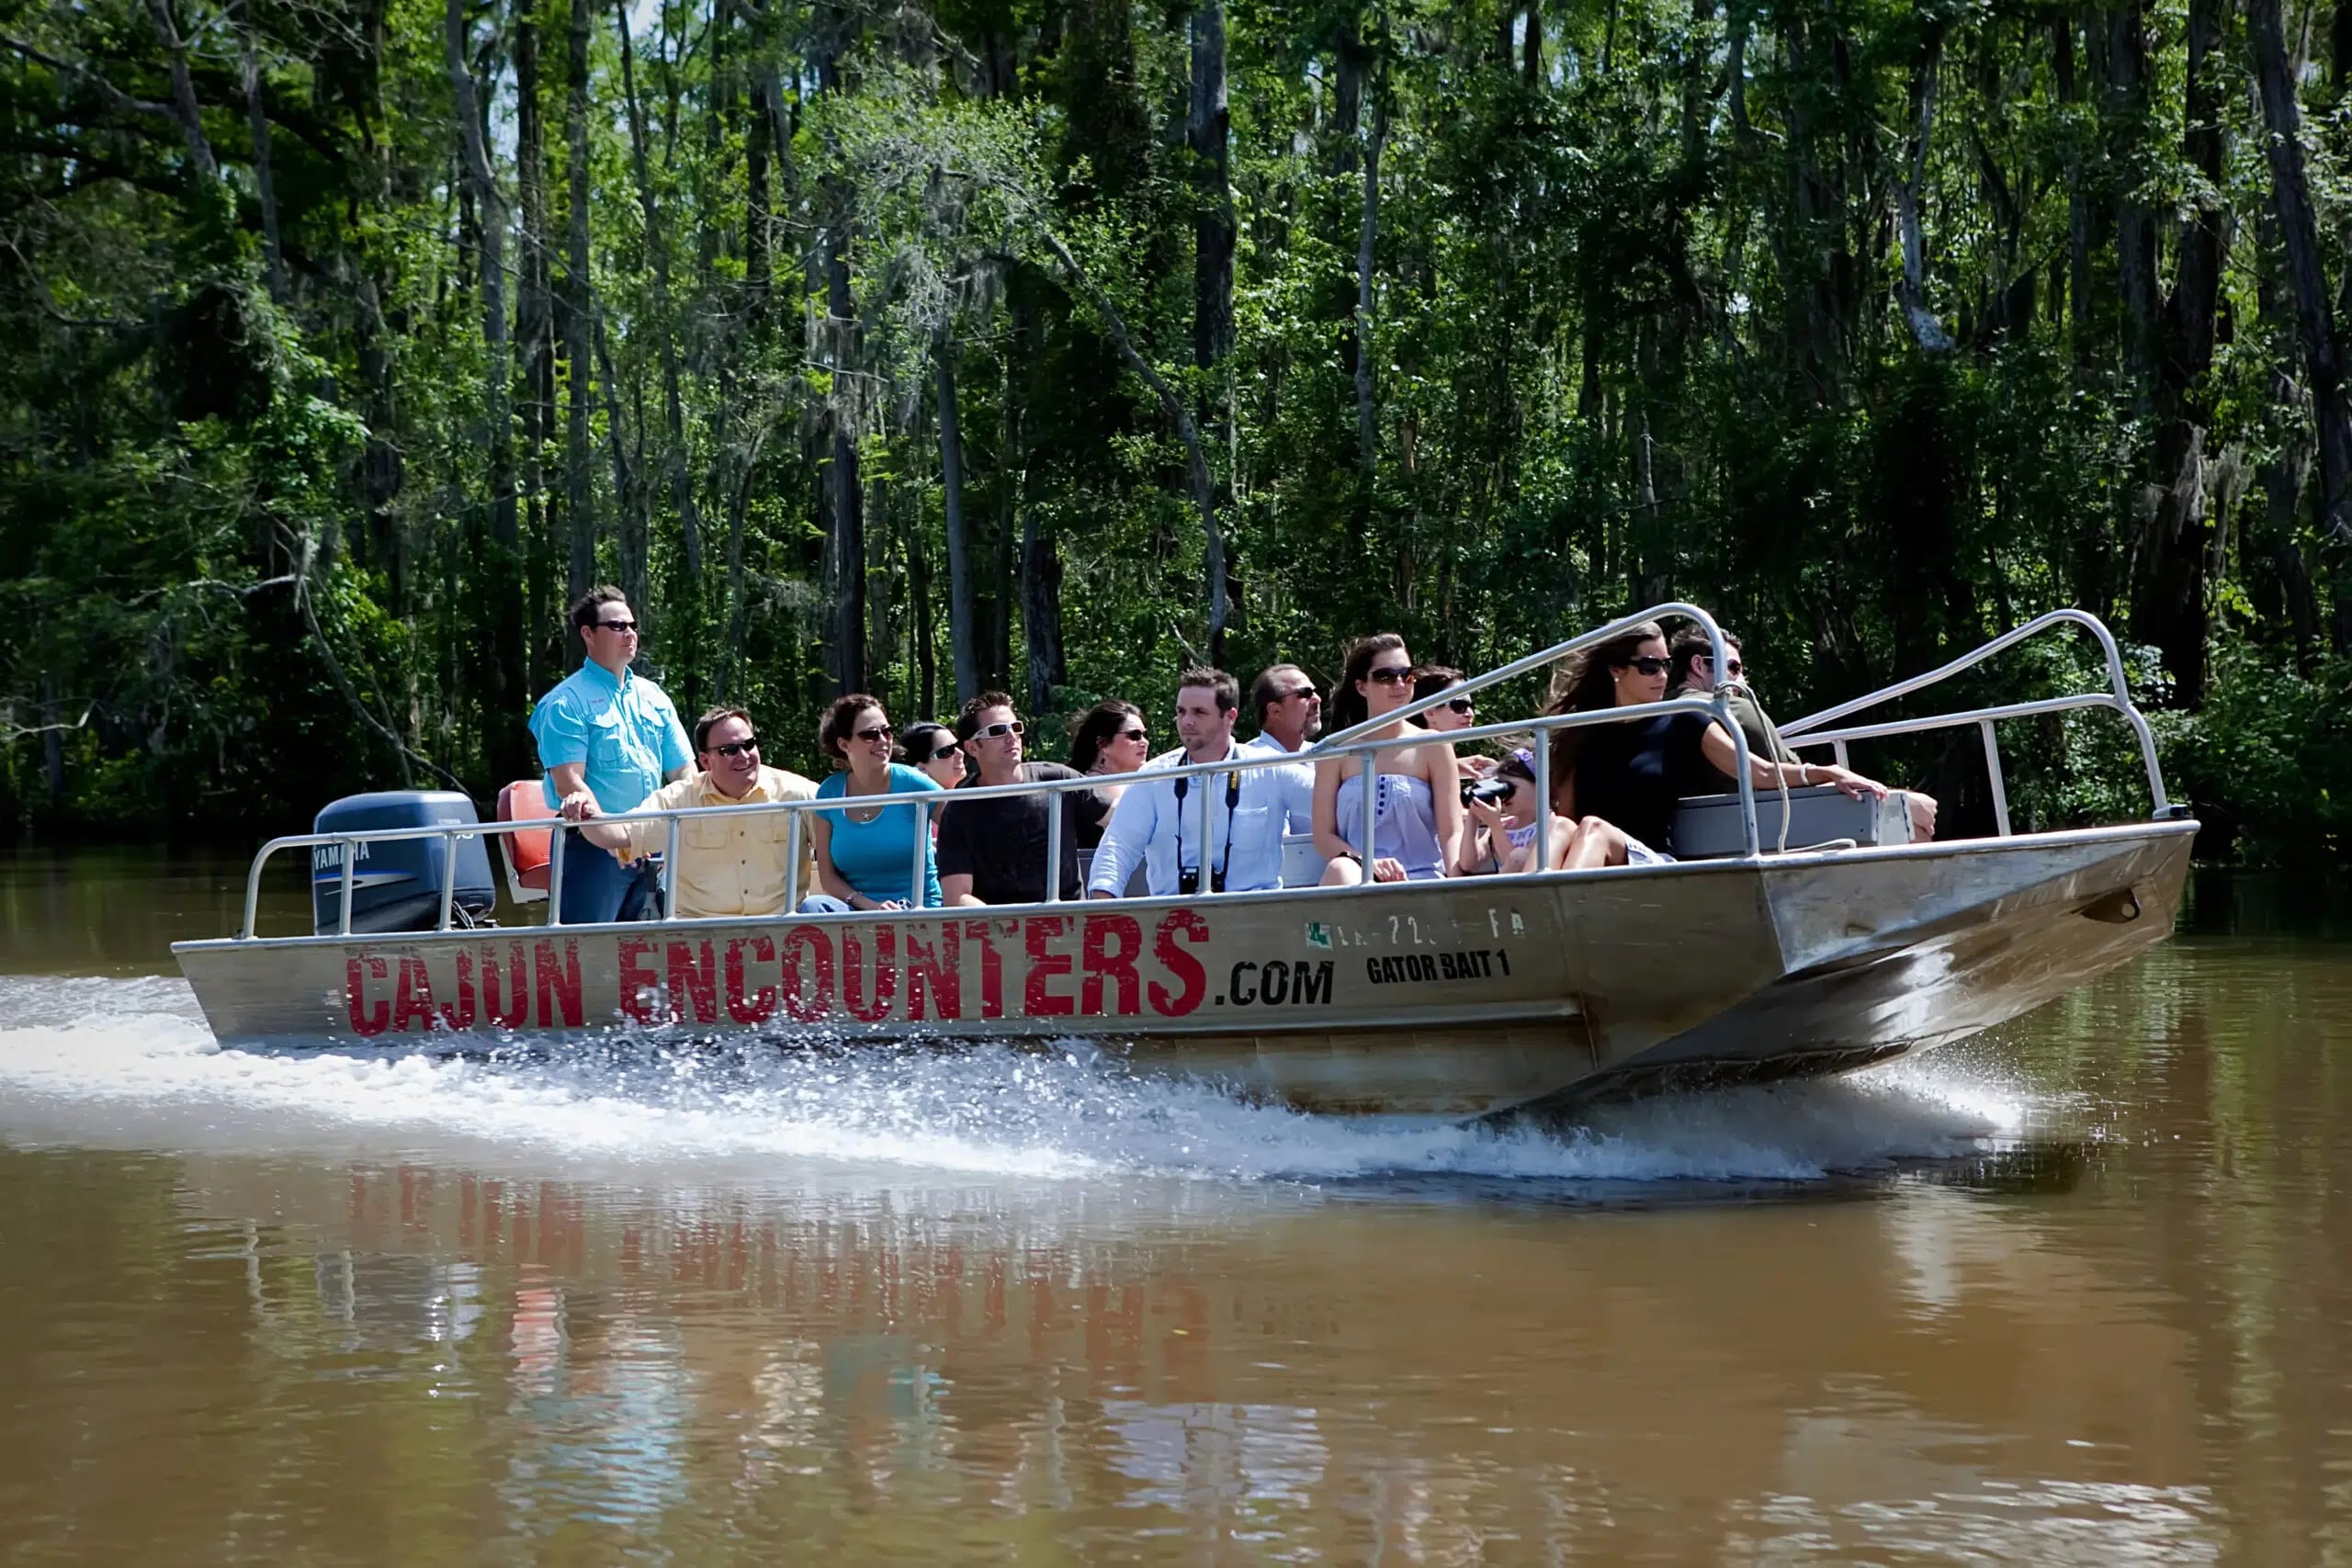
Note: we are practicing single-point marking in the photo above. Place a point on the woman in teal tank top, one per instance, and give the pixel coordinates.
(865, 855)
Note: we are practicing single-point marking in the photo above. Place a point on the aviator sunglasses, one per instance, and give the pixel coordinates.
(743, 748)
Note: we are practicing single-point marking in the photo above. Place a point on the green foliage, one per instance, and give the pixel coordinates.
(2266, 762)
(1641, 326)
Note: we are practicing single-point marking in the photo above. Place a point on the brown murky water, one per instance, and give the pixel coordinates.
(2077, 1293)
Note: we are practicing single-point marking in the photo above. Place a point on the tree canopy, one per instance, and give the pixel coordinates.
(1059, 343)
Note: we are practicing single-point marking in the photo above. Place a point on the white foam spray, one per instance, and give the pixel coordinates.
(134, 1058)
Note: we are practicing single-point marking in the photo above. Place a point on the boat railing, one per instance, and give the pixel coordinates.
(1358, 742)
(1054, 790)
(1809, 730)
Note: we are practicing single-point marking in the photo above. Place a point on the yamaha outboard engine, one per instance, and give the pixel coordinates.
(396, 884)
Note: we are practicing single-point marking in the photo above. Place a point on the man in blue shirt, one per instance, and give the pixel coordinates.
(1159, 822)
(611, 737)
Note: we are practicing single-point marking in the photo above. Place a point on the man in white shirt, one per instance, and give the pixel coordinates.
(1158, 821)
(1290, 710)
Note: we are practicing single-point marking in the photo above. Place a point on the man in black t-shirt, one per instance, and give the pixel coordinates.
(993, 852)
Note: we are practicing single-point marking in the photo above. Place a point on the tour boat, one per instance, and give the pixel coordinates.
(1450, 999)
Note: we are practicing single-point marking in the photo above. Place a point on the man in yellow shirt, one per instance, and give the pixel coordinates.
(725, 866)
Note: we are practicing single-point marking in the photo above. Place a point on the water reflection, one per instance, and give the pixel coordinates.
(2109, 1331)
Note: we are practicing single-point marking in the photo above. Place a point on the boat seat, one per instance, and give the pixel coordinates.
(1303, 863)
(1821, 816)
(525, 855)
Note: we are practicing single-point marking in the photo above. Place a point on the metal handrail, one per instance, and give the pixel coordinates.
(1718, 706)
(2118, 697)
(1242, 761)
(1357, 740)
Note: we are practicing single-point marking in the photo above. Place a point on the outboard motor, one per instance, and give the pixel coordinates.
(396, 884)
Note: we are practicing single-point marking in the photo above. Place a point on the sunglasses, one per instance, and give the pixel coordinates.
(1307, 691)
(1732, 667)
(1142, 735)
(1390, 674)
(997, 731)
(946, 749)
(1462, 705)
(879, 732)
(616, 626)
(749, 744)
(1650, 666)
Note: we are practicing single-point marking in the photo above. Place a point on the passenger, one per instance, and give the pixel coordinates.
(993, 852)
(865, 855)
(1158, 820)
(932, 748)
(1455, 713)
(1111, 738)
(1630, 775)
(1416, 805)
(726, 866)
(1290, 710)
(1694, 672)
(1499, 838)
(609, 739)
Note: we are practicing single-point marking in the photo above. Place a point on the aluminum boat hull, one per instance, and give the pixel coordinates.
(1453, 999)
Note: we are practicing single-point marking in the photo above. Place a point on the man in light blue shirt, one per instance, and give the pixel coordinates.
(611, 737)
(1158, 821)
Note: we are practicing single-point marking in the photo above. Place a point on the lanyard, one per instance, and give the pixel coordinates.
(1232, 799)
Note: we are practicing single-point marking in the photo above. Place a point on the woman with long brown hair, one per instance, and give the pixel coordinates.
(1630, 775)
(1417, 811)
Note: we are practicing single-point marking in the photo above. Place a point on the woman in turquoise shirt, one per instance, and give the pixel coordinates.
(865, 855)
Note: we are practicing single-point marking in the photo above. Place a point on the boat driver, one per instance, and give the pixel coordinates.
(726, 866)
(611, 737)
(1158, 820)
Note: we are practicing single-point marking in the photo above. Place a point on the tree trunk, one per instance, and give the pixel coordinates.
(756, 208)
(502, 631)
(2307, 287)
(846, 556)
(257, 127)
(1207, 131)
(1367, 238)
(2170, 559)
(2135, 224)
(185, 109)
(1925, 328)
(657, 246)
(963, 606)
(628, 490)
(579, 323)
(1041, 608)
(534, 305)
(2289, 470)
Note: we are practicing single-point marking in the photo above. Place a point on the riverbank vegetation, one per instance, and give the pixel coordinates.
(1057, 343)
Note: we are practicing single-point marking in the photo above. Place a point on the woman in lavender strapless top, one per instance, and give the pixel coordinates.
(1417, 800)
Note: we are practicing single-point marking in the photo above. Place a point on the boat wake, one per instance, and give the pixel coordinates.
(130, 1063)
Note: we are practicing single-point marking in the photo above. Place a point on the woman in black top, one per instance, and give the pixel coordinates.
(1630, 775)
(1110, 739)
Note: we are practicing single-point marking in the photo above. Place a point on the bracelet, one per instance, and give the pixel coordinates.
(1805, 775)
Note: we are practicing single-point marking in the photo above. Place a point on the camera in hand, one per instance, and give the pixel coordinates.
(1493, 792)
